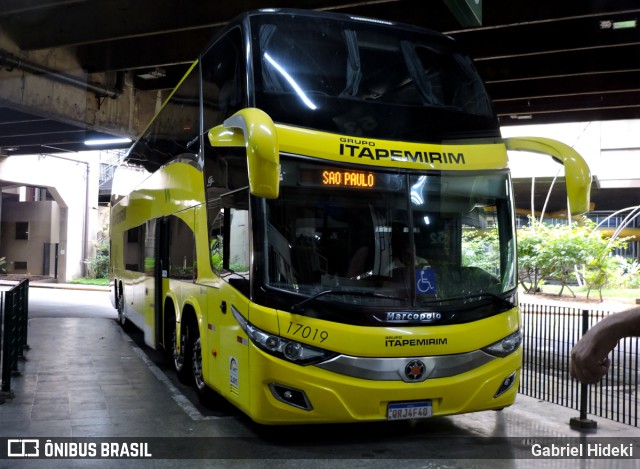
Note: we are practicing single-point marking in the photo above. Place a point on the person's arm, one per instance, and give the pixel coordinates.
(589, 357)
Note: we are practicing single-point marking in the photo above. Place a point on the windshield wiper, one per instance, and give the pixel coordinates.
(226, 273)
(299, 307)
(479, 296)
(503, 301)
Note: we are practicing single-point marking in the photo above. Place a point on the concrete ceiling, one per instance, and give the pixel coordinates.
(75, 69)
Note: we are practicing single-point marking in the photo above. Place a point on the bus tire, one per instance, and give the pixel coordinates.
(182, 356)
(168, 336)
(203, 391)
(207, 396)
(120, 306)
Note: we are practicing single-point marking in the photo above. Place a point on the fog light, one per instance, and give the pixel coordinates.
(291, 396)
(506, 384)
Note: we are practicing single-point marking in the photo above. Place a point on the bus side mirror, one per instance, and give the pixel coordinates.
(253, 129)
(577, 173)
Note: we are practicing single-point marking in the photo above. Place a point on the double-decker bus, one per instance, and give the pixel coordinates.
(318, 224)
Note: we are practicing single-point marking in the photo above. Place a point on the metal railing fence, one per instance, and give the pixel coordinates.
(549, 333)
(13, 326)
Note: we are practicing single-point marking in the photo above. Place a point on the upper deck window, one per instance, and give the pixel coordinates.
(366, 79)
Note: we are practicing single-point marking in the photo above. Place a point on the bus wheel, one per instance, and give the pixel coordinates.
(205, 394)
(181, 355)
(122, 318)
(196, 366)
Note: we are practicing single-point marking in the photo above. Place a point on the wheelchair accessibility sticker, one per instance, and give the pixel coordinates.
(425, 281)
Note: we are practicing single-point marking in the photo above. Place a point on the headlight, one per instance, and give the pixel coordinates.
(505, 346)
(290, 350)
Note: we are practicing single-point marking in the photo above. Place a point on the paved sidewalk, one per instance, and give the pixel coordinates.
(85, 377)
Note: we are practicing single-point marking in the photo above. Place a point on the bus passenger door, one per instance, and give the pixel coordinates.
(229, 234)
(161, 256)
(232, 362)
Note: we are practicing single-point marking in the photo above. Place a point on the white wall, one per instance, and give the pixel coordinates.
(611, 149)
(66, 178)
(39, 215)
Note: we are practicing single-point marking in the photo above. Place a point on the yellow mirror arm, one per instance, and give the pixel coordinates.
(577, 173)
(255, 130)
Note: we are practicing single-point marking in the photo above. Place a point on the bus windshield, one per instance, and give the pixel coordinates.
(376, 238)
(359, 78)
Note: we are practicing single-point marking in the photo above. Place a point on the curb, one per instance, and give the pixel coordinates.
(69, 286)
(59, 286)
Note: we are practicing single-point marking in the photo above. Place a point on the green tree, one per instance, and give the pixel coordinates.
(566, 251)
(568, 254)
(628, 273)
(534, 257)
(603, 269)
(99, 265)
(481, 249)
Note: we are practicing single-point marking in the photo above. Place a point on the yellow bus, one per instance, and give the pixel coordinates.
(318, 225)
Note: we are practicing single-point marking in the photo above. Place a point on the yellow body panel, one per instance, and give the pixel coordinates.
(242, 373)
(176, 189)
(394, 154)
(227, 368)
(398, 340)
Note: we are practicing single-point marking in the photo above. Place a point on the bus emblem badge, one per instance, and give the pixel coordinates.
(414, 370)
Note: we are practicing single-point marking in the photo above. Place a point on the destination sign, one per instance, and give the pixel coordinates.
(337, 178)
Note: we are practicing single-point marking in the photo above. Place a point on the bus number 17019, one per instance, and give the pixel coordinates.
(307, 332)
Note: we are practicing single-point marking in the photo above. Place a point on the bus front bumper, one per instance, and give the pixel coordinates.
(283, 393)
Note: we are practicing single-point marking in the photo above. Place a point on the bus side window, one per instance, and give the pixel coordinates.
(226, 180)
(133, 251)
(181, 249)
(229, 238)
(223, 90)
(216, 233)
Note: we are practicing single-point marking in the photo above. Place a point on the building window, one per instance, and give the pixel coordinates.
(22, 230)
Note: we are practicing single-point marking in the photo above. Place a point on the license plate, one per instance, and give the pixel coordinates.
(409, 410)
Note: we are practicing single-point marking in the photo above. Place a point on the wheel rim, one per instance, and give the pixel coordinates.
(197, 365)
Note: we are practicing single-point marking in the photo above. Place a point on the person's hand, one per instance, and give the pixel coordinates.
(589, 357)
